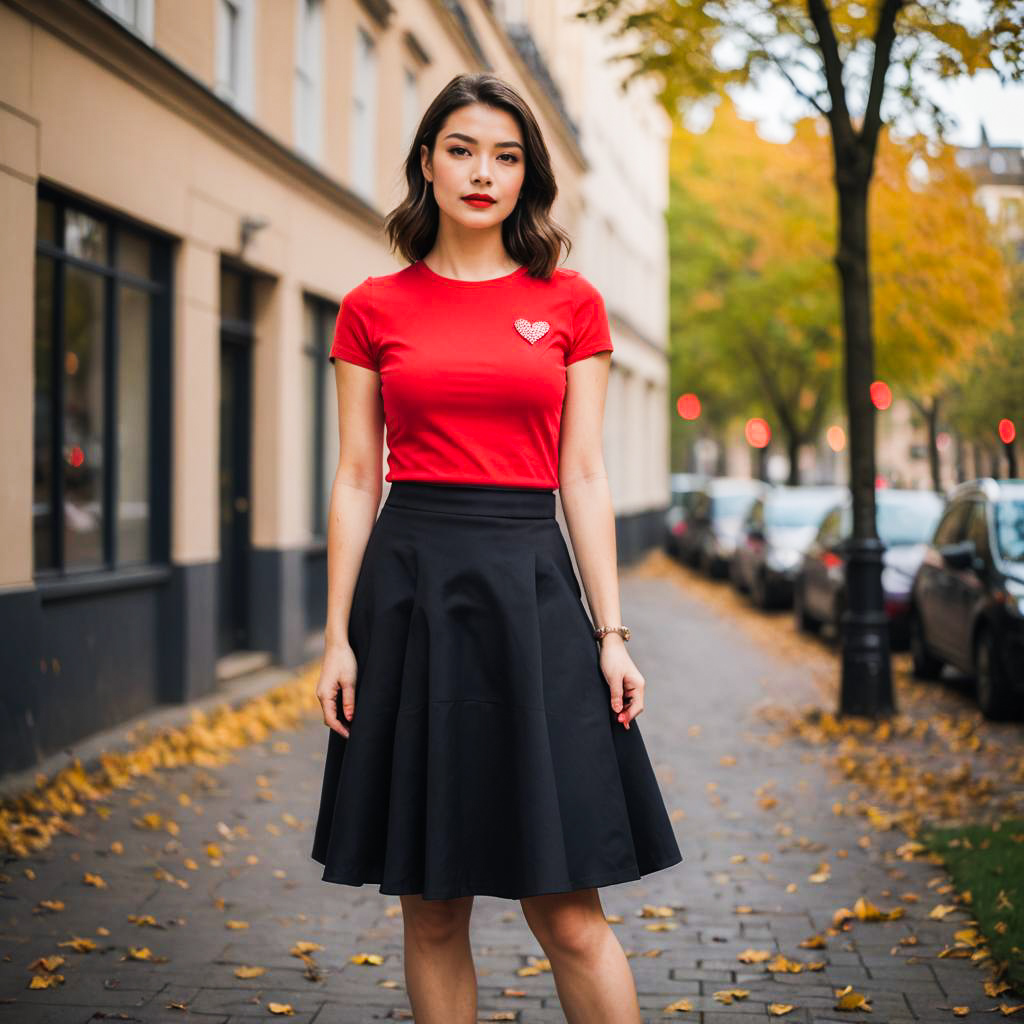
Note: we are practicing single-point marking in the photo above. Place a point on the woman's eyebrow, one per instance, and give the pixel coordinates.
(472, 141)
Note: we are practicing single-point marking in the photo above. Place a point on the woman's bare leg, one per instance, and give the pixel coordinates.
(439, 973)
(592, 975)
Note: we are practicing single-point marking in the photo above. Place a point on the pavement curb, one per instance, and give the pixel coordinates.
(134, 731)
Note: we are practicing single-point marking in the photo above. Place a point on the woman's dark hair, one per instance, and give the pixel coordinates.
(530, 235)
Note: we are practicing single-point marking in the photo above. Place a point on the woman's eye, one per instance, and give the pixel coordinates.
(455, 150)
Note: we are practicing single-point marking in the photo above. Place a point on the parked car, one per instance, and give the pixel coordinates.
(719, 509)
(772, 539)
(967, 602)
(679, 514)
(905, 521)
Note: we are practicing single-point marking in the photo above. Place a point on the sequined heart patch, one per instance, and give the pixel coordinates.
(532, 332)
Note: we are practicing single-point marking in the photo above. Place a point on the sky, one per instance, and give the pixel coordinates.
(971, 101)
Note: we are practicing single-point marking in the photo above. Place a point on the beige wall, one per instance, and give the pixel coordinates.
(97, 112)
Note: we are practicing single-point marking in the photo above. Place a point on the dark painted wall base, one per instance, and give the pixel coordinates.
(79, 656)
(83, 654)
(637, 533)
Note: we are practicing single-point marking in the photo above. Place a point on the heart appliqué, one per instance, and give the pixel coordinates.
(532, 332)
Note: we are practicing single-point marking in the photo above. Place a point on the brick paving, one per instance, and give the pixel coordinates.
(721, 767)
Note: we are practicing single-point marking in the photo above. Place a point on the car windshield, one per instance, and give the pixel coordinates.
(1010, 529)
(797, 510)
(908, 520)
(726, 505)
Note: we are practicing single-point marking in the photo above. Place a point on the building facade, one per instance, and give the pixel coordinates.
(188, 191)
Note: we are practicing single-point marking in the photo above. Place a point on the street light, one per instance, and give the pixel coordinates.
(866, 680)
(881, 394)
(688, 406)
(758, 434)
(1007, 433)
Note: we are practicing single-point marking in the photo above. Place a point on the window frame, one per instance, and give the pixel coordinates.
(59, 578)
(309, 79)
(316, 348)
(956, 514)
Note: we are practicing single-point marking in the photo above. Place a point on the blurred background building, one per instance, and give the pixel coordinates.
(188, 191)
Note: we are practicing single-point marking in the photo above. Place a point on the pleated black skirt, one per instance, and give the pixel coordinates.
(484, 756)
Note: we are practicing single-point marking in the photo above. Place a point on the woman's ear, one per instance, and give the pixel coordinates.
(425, 162)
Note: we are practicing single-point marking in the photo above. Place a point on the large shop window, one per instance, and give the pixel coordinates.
(102, 322)
(321, 400)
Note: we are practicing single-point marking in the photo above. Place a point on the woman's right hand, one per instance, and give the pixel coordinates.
(337, 676)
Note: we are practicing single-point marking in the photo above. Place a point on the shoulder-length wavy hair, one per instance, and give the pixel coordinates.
(530, 235)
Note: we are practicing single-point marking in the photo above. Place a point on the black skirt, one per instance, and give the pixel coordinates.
(484, 756)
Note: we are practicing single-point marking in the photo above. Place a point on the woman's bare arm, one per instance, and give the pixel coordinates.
(590, 518)
(355, 499)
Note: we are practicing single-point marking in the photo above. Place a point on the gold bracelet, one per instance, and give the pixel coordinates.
(602, 631)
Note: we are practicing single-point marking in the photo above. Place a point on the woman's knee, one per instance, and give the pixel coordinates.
(571, 923)
(436, 921)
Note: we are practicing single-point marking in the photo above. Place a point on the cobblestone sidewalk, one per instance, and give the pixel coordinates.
(767, 863)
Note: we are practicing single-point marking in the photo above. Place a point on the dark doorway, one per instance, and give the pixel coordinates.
(235, 432)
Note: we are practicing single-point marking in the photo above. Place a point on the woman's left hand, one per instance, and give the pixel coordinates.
(624, 679)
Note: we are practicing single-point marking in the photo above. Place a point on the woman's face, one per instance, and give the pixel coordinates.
(479, 151)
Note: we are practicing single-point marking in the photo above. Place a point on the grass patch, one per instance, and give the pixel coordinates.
(988, 862)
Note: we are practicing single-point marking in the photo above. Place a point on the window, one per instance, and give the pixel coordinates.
(233, 81)
(410, 107)
(101, 319)
(1009, 516)
(977, 530)
(951, 528)
(831, 530)
(755, 517)
(309, 65)
(136, 15)
(363, 143)
(321, 400)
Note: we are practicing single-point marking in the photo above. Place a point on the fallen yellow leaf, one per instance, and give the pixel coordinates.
(46, 980)
(366, 958)
(847, 999)
(679, 1006)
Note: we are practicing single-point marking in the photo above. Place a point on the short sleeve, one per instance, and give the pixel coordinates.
(354, 340)
(590, 330)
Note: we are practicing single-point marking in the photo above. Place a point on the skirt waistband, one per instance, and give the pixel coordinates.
(472, 499)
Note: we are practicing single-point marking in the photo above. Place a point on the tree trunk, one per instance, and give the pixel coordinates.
(793, 445)
(931, 413)
(1011, 460)
(859, 354)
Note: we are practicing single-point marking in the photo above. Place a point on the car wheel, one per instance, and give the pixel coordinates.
(704, 562)
(805, 622)
(926, 665)
(759, 591)
(736, 576)
(991, 684)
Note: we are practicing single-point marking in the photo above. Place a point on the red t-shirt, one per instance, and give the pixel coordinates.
(472, 373)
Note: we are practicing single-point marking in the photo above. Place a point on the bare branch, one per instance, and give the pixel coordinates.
(885, 36)
(771, 57)
(840, 113)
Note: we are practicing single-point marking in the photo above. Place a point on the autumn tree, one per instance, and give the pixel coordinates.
(837, 60)
(940, 282)
(754, 319)
(990, 385)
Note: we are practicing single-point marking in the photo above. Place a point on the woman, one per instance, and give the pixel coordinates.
(481, 742)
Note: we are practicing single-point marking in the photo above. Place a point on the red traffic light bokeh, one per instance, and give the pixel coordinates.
(757, 432)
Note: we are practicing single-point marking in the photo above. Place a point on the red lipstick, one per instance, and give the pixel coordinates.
(478, 199)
